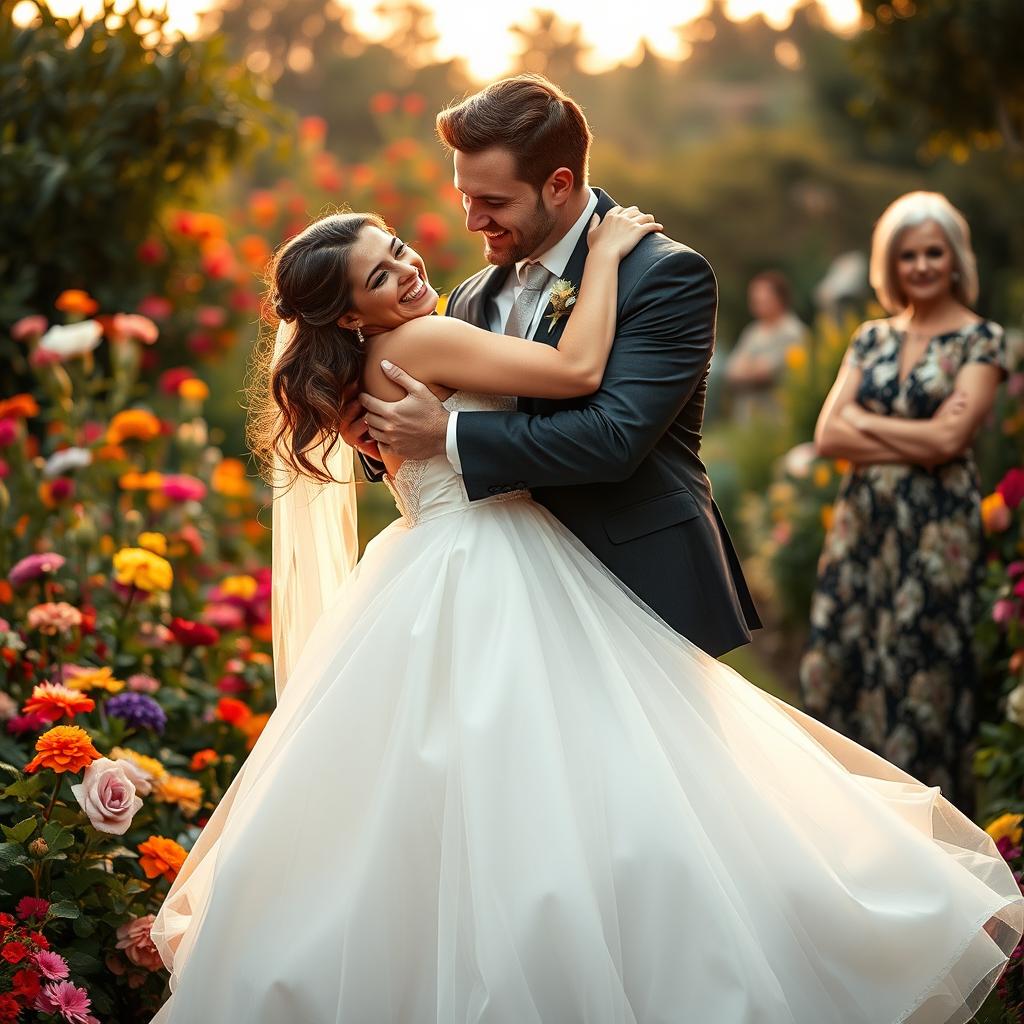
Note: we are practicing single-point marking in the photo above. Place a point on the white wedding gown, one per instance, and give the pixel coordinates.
(498, 789)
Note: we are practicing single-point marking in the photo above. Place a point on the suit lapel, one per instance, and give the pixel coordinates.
(475, 311)
(546, 331)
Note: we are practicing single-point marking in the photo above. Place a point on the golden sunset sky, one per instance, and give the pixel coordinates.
(478, 31)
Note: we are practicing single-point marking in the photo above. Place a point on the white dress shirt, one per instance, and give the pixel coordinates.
(554, 260)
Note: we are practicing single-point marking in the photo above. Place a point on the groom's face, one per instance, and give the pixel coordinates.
(512, 215)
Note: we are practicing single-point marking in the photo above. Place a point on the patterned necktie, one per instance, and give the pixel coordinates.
(519, 320)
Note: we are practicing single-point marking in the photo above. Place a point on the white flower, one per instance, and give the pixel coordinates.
(72, 340)
(1015, 705)
(797, 461)
(66, 459)
(107, 795)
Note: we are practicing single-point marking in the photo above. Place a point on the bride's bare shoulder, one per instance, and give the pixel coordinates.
(407, 346)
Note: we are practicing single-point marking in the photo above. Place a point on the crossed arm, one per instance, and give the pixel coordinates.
(846, 430)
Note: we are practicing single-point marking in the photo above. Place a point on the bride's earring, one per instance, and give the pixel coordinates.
(359, 335)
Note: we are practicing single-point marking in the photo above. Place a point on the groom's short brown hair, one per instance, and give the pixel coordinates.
(532, 118)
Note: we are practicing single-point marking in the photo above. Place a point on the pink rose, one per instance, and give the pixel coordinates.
(135, 939)
(107, 795)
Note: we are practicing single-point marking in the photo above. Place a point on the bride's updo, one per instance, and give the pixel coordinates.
(309, 287)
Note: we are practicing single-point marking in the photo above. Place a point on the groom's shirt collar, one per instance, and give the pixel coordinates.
(556, 259)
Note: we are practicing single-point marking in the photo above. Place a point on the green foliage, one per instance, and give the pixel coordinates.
(950, 67)
(103, 122)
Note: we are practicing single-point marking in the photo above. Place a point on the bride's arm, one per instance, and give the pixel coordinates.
(449, 353)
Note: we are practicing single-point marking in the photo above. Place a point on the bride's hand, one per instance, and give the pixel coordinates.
(620, 230)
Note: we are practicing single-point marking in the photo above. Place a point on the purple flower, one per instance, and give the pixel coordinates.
(33, 566)
(137, 709)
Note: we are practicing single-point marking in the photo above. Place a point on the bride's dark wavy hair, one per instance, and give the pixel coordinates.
(294, 405)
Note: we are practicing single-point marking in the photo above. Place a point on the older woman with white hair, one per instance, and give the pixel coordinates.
(890, 659)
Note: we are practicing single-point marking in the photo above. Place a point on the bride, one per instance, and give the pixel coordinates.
(497, 787)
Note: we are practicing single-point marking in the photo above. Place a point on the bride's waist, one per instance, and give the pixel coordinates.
(432, 503)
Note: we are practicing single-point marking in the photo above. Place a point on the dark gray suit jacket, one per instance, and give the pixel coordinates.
(620, 468)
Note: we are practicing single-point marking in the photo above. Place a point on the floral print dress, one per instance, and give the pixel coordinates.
(890, 661)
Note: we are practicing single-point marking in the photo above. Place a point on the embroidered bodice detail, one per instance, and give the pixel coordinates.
(426, 488)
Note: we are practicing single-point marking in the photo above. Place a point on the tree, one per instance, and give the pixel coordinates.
(104, 122)
(951, 68)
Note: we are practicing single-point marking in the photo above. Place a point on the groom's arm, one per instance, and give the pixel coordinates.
(662, 347)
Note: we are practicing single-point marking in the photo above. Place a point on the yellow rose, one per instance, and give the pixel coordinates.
(155, 542)
(137, 567)
(1007, 825)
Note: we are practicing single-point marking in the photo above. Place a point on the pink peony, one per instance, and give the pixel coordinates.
(182, 487)
(141, 683)
(1011, 487)
(107, 795)
(51, 965)
(33, 566)
(29, 327)
(134, 938)
(67, 999)
(53, 617)
(1004, 610)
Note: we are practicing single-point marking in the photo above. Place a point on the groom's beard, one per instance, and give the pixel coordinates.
(533, 235)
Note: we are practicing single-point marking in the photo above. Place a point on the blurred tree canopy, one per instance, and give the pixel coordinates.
(951, 68)
(103, 123)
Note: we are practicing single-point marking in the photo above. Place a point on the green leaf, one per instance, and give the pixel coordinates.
(11, 854)
(20, 832)
(57, 836)
(24, 789)
(65, 909)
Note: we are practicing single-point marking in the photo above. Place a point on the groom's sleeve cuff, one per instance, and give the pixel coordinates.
(451, 443)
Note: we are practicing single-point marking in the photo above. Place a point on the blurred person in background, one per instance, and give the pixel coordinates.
(890, 660)
(758, 361)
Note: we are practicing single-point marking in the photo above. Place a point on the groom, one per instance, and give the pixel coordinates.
(620, 468)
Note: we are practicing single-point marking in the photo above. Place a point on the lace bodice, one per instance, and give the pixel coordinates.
(426, 488)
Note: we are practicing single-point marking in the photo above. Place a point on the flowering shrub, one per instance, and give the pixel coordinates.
(136, 676)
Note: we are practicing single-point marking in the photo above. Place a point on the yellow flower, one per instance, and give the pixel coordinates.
(828, 514)
(137, 567)
(133, 425)
(822, 475)
(193, 389)
(176, 789)
(95, 679)
(147, 764)
(796, 357)
(442, 304)
(155, 542)
(239, 586)
(1007, 825)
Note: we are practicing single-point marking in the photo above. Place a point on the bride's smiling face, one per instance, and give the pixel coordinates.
(389, 283)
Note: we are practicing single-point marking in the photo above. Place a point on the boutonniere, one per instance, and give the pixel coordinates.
(560, 298)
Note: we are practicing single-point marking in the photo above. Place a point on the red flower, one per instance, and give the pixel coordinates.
(430, 229)
(25, 984)
(7, 921)
(31, 906)
(414, 103)
(383, 102)
(9, 1009)
(1011, 487)
(193, 634)
(14, 952)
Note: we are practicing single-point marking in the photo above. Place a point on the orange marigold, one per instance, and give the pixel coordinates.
(52, 701)
(161, 856)
(136, 481)
(133, 425)
(74, 300)
(64, 748)
(203, 759)
(252, 727)
(19, 407)
(176, 789)
(233, 711)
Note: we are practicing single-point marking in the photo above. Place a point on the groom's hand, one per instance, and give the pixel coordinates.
(414, 427)
(353, 425)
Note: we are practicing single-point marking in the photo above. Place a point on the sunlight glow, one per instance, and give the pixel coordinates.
(480, 33)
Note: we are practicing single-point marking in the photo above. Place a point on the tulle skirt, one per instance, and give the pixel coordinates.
(498, 789)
